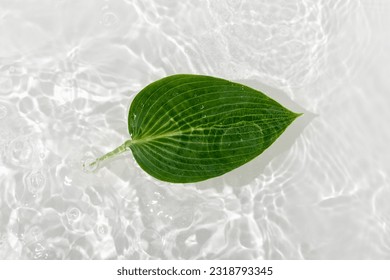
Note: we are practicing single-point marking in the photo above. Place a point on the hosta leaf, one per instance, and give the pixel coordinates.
(189, 128)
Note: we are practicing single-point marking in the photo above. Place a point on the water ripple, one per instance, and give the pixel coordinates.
(69, 72)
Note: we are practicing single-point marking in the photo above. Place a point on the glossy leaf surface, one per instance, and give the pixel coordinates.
(189, 128)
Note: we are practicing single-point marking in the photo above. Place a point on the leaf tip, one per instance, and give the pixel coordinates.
(298, 115)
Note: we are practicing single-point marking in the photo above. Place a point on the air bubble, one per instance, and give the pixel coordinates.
(102, 230)
(73, 214)
(40, 252)
(36, 182)
(90, 165)
(36, 232)
(109, 19)
(21, 151)
(16, 71)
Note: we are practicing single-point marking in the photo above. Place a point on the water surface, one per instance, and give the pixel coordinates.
(69, 70)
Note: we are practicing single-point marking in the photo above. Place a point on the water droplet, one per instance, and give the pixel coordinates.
(40, 252)
(90, 165)
(3, 111)
(102, 230)
(20, 151)
(73, 214)
(34, 234)
(109, 19)
(16, 70)
(36, 182)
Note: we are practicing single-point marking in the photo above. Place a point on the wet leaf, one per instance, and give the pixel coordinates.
(189, 128)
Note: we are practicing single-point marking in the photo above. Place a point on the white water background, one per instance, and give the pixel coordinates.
(69, 70)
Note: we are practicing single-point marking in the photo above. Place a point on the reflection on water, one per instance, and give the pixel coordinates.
(69, 70)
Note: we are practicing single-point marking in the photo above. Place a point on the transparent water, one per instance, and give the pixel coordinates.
(69, 70)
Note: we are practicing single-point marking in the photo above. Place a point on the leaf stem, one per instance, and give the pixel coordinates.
(119, 150)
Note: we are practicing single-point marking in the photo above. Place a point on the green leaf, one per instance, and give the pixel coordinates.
(189, 128)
